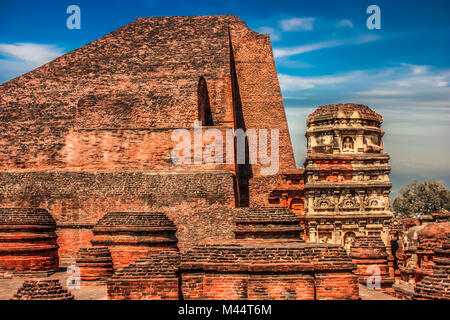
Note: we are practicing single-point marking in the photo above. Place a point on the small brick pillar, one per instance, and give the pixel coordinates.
(436, 285)
(267, 223)
(150, 278)
(267, 271)
(95, 264)
(42, 290)
(370, 255)
(133, 235)
(431, 236)
(28, 245)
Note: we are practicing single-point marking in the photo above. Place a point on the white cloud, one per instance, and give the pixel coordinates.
(291, 51)
(416, 69)
(429, 87)
(31, 52)
(297, 24)
(274, 35)
(292, 83)
(345, 23)
(19, 58)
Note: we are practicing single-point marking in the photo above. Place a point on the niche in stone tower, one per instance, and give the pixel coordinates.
(347, 144)
(204, 108)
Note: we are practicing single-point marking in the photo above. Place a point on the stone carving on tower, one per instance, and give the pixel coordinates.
(346, 175)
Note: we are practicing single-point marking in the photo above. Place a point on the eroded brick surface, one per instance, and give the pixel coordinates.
(436, 285)
(27, 242)
(265, 270)
(96, 265)
(133, 235)
(42, 290)
(153, 277)
(370, 255)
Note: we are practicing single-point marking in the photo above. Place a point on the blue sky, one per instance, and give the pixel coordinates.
(324, 54)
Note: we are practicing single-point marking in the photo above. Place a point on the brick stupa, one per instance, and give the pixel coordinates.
(27, 242)
(269, 223)
(96, 265)
(132, 235)
(42, 290)
(90, 132)
(436, 285)
(370, 255)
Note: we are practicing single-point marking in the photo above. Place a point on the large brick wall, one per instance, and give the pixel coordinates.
(143, 75)
(133, 235)
(129, 149)
(113, 103)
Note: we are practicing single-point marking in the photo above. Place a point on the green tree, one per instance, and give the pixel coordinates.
(419, 198)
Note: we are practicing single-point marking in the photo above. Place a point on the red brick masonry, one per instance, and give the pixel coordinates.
(42, 290)
(266, 270)
(150, 278)
(436, 285)
(96, 265)
(132, 235)
(369, 252)
(266, 223)
(27, 242)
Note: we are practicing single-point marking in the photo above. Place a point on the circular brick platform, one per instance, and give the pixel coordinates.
(132, 235)
(27, 242)
(370, 255)
(436, 285)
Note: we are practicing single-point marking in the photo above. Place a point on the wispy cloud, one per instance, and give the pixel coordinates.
(292, 83)
(404, 81)
(274, 35)
(291, 51)
(345, 23)
(19, 58)
(297, 24)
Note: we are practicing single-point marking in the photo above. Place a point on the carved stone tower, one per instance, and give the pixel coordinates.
(346, 175)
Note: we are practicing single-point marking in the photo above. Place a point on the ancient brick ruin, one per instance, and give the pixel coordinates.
(437, 284)
(346, 175)
(370, 255)
(153, 277)
(96, 265)
(133, 235)
(267, 223)
(87, 176)
(419, 240)
(42, 290)
(267, 270)
(27, 243)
